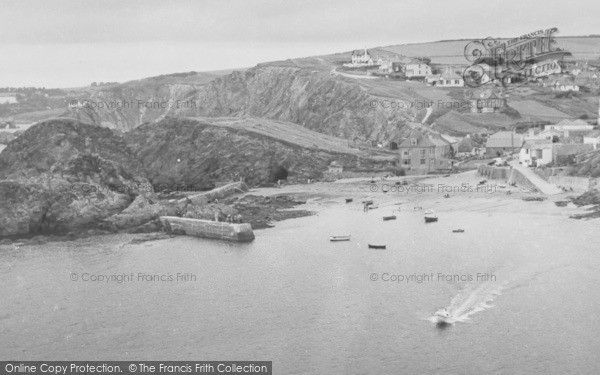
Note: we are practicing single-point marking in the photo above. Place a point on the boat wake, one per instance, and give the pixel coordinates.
(470, 300)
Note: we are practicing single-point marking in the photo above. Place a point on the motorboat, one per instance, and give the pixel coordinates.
(339, 238)
(458, 230)
(378, 247)
(442, 316)
(430, 217)
(391, 217)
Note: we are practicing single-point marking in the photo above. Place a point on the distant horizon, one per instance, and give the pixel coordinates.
(67, 43)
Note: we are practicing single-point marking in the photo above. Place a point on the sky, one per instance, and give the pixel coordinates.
(71, 43)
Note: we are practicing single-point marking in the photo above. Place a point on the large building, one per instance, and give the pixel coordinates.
(362, 57)
(425, 153)
(416, 69)
(449, 79)
(487, 102)
(502, 143)
(568, 125)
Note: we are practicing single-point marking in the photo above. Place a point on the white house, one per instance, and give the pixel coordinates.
(450, 79)
(362, 57)
(416, 68)
(8, 98)
(592, 138)
(385, 65)
(536, 153)
(563, 84)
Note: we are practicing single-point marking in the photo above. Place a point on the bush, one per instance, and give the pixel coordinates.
(401, 172)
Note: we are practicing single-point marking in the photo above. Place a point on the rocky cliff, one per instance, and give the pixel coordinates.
(62, 175)
(55, 177)
(327, 104)
(198, 153)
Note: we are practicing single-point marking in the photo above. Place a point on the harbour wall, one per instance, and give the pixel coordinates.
(511, 175)
(495, 173)
(208, 229)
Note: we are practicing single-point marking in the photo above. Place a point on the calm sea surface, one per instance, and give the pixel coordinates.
(315, 307)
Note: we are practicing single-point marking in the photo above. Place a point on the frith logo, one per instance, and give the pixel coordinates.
(514, 61)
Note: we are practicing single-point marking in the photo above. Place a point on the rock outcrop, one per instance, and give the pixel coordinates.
(62, 175)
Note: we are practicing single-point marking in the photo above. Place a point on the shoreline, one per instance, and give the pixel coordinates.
(427, 192)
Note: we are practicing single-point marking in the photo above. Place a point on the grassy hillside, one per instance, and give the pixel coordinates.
(452, 52)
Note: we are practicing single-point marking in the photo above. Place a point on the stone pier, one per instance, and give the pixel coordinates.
(208, 229)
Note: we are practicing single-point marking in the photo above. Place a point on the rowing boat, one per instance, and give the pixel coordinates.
(339, 238)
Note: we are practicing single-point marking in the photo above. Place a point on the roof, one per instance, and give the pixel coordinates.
(423, 141)
(563, 82)
(580, 122)
(505, 139)
(415, 61)
(439, 142)
(448, 138)
(593, 133)
(449, 74)
(572, 149)
(360, 52)
(538, 145)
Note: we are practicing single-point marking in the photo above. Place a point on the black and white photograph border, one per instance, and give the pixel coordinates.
(299, 187)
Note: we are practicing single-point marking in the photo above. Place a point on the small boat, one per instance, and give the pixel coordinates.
(380, 247)
(430, 217)
(348, 200)
(391, 217)
(458, 230)
(373, 206)
(367, 202)
(270, 224)
(339, 238)
(418, 208)
(442, 316)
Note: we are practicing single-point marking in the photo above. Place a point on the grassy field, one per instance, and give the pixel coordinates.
(452, 52)
(532, 110)
(287, 132)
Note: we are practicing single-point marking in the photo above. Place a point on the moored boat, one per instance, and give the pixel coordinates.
(391, 217)
(379, 247)
(442, 316)
(369, 202)
(339, 238)
(348, 200)
(373, 206)
(431, 219)
(458, 230)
